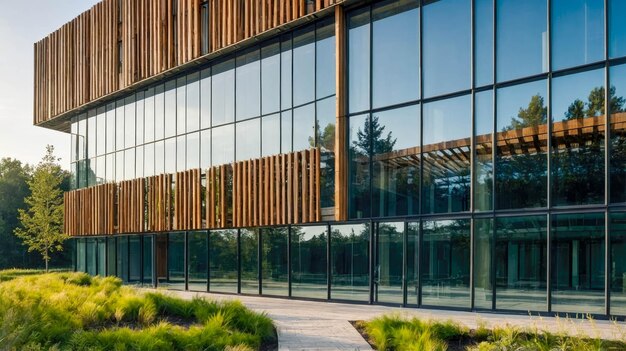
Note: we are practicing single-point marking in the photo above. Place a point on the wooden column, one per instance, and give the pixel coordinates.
(341, 152)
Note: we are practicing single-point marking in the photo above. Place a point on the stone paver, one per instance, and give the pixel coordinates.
(311, 325)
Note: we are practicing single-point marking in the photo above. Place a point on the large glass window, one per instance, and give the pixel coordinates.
(248, 84)
(140, 125)
(129, 122)
(122, 258)
(223, 261)
(197, 260)
(205, 98)
(483, 161)
(270, 78)
(249, 257)
(395, 52)
(446, 263)
(223, 90)
(389, 260)
(617, 263)
(286, 132)
(446, 150)
(170, 155)
(91, 256)
(359, 60)
(521, 163)
(359, 191)
(578, 139)
(304, 127)
(270, 127)
(111, 256)
(578, 263)
(110, 130)
(304, 66)
(308, 262)
(325, 125)
(176, 261)
(412, 263)
(159, 112)
(617, 28)
(181, 153)
(617, 106)
(248, 139)
(149, 115)
(223, 146)
(101, 127)
(521, 263)
(395, 136)
(325, 58)
(91, 134)
(577, 32)
(349, 262)
(275, 270)
(205, 149)
(193, 150)
(81, 263)
(193, 102)
(101, 256)
(483, 42)
(446, 67)
(483, 258)
(286, 62)
(170, 108)
(134, 259)
(147, 260)
(522, 42)
(181, 105)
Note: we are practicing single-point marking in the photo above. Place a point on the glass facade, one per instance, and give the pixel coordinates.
(488, 173)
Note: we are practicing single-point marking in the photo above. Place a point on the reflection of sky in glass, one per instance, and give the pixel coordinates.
(446, 47)
(522, 38)
(577, 32)
(483, 42)
(618, 79)
(395, 57)
(270, 78)
(248, 85)
(223, 90)
(303, 67)
(447, 120)
(565, 90)
(248, 136)
(223, 145)
(511, 99)
(403, 124)
(483, 105)
(325, 60)
(617, 28)
(270, 127)
(358, 61)
(304, 127)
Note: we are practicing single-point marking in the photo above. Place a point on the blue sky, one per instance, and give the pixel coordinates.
(22, 23)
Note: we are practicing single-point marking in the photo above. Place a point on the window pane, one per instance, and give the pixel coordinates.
(304, 131)
(101, 128)
(176, 261)
(122, 258)
(395, 139)
(248, 139)
(159, 112)
(359, 60)
(617, 108)
(181, 111)
(446, 149)
(223, 147)
(129, 164)
(205, 99)
(308, 262)
(325, 58)
(139, 173)
(275, 270)
(111, 256)
(483, 283)
(147, 260)
(446, 67)
(577, 32)
(389, 260)
(119, 125)
(326, 142)
(159, 157)
(110, 130)
(110, 168)
(248, 84)
(91, 134)
(170, 155)
(578, 263)
(304, 66)
(149, 116)
(521, 263)
(271, 135)
(578, 154)
(223, 261)
(349, 260)
(129, 121)
(412, 262)
(148, 160)
(618, 263)
(270, 77)
(181, 154)
(446, 263)
(617, 28)
(119, 166)
(521, 38)
(286, 132)
(286, 61)
(100, 170)
(134, 259)
(193, 102)
(140, 128)
(359, 151)
(197, 260)
(483, 170)
(223, 89)
(483, 42)
(193, 150)
(170, 108)
(249, 256)
(521, 164)
(205, 149)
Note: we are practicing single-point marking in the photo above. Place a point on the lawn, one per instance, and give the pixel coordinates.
(74, 311)
(392, 332)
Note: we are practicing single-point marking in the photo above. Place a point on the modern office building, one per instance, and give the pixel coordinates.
(466, 154)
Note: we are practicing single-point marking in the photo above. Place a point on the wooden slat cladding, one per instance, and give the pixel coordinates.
(118, 43)
(159, 203)
(218, 196)
(130, 206)
(90, 211)
(188, 200)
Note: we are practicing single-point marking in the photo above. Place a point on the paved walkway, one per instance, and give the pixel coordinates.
(310, 325)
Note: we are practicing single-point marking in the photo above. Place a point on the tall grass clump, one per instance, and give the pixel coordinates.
(74, 311)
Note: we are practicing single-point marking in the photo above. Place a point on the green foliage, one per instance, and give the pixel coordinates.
(42, 223)
(74, 311)
(534, 115)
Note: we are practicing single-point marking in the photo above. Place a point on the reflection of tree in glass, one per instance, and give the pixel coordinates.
(595, 104)
(535, 114)
(372, 133)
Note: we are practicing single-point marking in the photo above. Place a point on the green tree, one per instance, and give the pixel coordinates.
(575, 110)
(42, 222)
(534, 115)
(373, 133)
(13, 189)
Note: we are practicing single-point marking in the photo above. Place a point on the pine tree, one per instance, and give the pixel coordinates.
(42, 222)
(534, 115)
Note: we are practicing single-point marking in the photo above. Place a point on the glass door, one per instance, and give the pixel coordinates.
(388, 274)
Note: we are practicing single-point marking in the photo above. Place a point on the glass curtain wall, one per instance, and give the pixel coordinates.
(309, 262)
(274, 264)
(198, 260)
(176, 261)
(349, 262)
(223, 261)
(249, 260)
(388, 268)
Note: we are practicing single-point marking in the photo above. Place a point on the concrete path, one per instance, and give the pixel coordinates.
(310, 325)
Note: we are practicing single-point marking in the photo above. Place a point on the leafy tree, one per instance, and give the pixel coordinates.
(42, 222)
(13, 189)
(534, 115)
(575, 110)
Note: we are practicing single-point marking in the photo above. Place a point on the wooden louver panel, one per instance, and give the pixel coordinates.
(90, 211)
(188, 200)
(130, 206)
(118, 43)
(159, 203)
